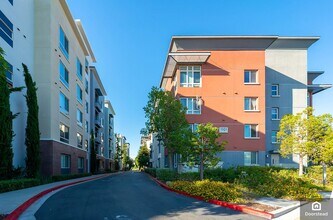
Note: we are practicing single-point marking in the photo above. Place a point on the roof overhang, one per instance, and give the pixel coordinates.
(85, 39)
(109, 106)
(315, 88)
(175, 59)
(101, 89)
(312, 75)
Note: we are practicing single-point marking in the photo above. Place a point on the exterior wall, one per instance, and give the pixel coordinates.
(158, 153)
(21, 15)
(49, 17)
(223, 92)
(288, 68)
(51, 153)
(109, 135)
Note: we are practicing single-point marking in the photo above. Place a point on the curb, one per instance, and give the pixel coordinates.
(19, 210)
(240, 208)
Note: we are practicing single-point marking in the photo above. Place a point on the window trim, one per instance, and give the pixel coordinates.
(256, 158)
(188, 84)
(79, 160)
(79, 69)
(257, 104)
(278, 114)
(69, 161)
(277, 141)
(79, 145)
(79, 114)
(63, 139)
(7, 33)
(78, 98)
(278, 90)
(64, 110)
(257, 131)
(61, 46)
(64, 82)
(257, 77)
(190, 112)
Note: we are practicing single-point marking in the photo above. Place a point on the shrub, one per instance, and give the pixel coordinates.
(16, 184)
(189, 176)
(166, 175)
(315, 175)
(151, 171)
(68, 177)
(210, 190)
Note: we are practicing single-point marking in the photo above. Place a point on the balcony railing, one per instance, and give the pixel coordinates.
(99, 105)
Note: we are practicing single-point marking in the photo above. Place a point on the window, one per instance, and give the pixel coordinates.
(87, 126)
(80, 162)
(86, 145)
(78, 68)
(275, 90)
(63, 43)
(11, 1)
(9, 73)
(64, 103)
(87, 107)
(250, 158)
(251, 131)
(190, 76)
(64, 133)
(194, 127)
(64, 75)
(86, 86)
(275, 113)
(79, 93)
(191, 105)
(65, 161)
(274, 137)
(6, 29)
(86, 65)
(79, 117)
(250, 76)
(79, 140)
(251, 104)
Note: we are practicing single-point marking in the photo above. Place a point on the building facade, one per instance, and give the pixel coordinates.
(109, 134)
(243, 85)
(17, 41)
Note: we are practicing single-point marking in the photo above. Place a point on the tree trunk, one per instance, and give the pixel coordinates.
(300, 173)
(201, 166)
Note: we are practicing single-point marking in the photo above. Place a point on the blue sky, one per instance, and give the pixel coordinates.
(130, 39)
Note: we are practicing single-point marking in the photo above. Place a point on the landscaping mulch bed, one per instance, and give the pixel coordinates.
(261, 207)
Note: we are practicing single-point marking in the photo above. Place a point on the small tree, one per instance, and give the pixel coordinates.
(166, 118)
(6, 118)
(93, 159)
(205, 147)
(143, 157)
(32, 134)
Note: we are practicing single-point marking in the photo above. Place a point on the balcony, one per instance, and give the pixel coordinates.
(98, 105)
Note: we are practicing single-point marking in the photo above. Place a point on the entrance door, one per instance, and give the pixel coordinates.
(275, 159)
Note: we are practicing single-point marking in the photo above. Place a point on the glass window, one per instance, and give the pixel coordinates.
(65, 161)
(87, 126)
(9, 73)
(251, 103)
(78, 68)
(275, 113)
(86, 86)
(190, 76)
(80, 162)
(250, 76)
(63, 43)
(78, 93)
(86, 65)
(86, 145)
(275, 90)
(87, 107)
(274, 137)
(11, 1)
(191, 105)
(64, 103)
(79, 117)
(64, 74)
(251, 131)
(6, 29)
(194, 127)
(64, 133)
(79, 140)
(250, 158)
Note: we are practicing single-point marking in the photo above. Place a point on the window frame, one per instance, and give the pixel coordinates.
(277, 113)
(257, 131)
(6, 29)
(277, 90)
(79, 117)
(79, 143)
(62, 79)
(79, 69)
(80, 161)
(66, 104)
(250, 77)
(192, 111)
(188, 70)
(250, 101)
(251, 153)
(276, 139)
(63, 138)
(64, 48)
(65, 164)
(79, 94)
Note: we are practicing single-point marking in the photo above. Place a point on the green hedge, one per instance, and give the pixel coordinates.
(16, 184)
(210, 190)
(69, 176)
(151, 171)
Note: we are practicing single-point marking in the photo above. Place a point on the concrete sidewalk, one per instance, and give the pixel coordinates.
(9, 201)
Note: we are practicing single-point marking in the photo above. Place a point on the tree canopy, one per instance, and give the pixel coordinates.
(142, 159)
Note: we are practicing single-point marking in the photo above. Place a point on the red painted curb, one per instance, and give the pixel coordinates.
(240, 208)
(19, 210)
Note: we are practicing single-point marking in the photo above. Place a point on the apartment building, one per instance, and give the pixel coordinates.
(243, 85)
(98, 94)
(121, 141)
(109, 135)
(17, 41)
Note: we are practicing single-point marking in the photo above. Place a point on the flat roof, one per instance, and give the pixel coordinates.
(94, 70)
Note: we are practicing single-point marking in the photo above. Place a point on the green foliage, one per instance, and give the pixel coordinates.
(16, 184)
(151, 171)
(307, 135)
(32, 134)
(143, 157)
(205, 147)
(93, 159)
(315, 175)
(166, 118)
(210, 190)
(166, 175)
(69, 176)
(6, 118)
